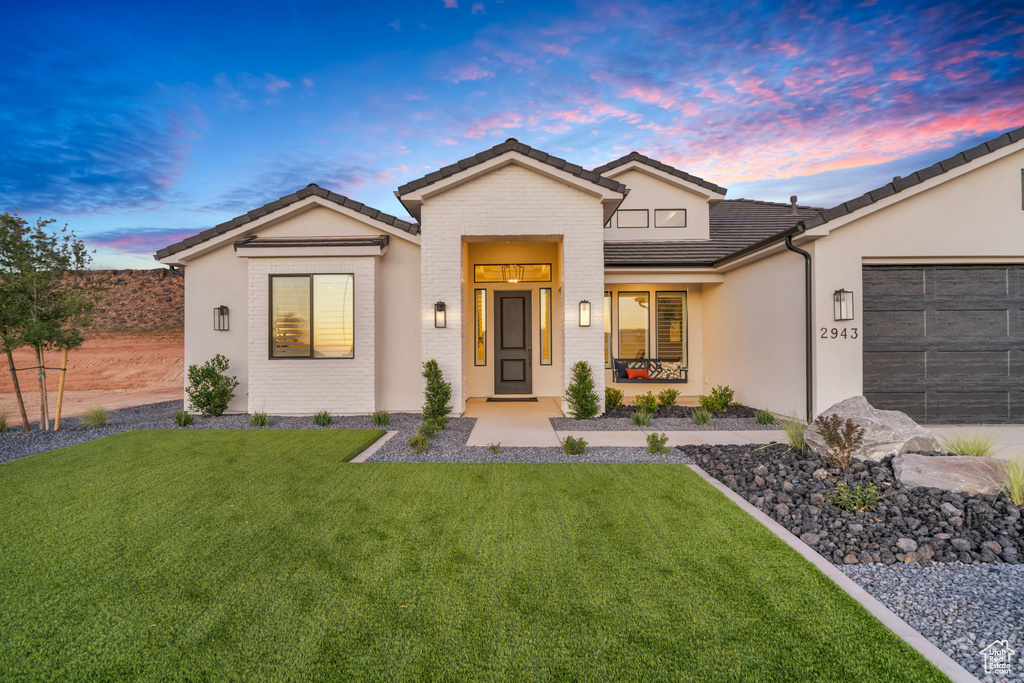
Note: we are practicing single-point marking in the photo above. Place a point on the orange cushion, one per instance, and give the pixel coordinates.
(638, 373)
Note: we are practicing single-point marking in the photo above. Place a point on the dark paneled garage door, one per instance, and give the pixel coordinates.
(945, 343)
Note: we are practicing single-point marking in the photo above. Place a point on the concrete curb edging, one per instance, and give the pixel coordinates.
(374, 447)
(940, 659)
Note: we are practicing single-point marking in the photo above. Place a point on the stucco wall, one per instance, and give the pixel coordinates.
(512, 202)
(648, 192)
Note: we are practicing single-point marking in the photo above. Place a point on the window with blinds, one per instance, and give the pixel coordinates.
(670, 312)
(312, 316)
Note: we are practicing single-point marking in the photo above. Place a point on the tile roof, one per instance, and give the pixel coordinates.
(735, 224)
(899, 184)
(511, 145)
(308, 191)
(654, 163)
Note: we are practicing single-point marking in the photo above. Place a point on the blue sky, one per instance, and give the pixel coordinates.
(140, 124)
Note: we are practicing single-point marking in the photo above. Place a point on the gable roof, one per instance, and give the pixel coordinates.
(735, 225)
(309, 191)
(510, 145)
(899, 184)
(654, 163)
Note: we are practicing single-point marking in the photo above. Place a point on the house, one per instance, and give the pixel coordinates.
(519, 264)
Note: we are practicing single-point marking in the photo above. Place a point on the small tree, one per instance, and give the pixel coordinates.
(436, 395)
(209, 389)
(581, 396)
(37, 308)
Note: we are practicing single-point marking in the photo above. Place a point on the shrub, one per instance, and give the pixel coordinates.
(581, 397)
(95, 417)
(322, 418)
(794, 427)
(380, 418)
(764, 417)
(209, 389)
(856, 498)
(3, 421)
(667, 398)
(656, 443)
(494, 447)
(183, 418)
(419, 443)
(645, 403)
(1012, 485)
(976, 443)
(613, 398)
(842, 438)
(574, 446)
(640, 418)
(259, 419)
(436, 395)
(429, 428)
(701, 416)
(718, 401)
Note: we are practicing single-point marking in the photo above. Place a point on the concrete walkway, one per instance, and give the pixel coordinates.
(513, 424)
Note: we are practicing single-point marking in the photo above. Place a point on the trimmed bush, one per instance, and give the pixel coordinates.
(854, 498)
(436, 394)
(183, 418)
(380, 418)
(419, 443)
(581, 397)
(701, 416)
(259, 419)
(95, 417)
(640, 418)
(656, 443)
(718, 401)
(574, 446)
(613, 398)
(322, 418)
(209, 389)
(645, 403)
(429, 428)
(667, 398)
(764, 417)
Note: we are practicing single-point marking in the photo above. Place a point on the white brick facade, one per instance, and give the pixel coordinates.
(305, 386)
(512, 203)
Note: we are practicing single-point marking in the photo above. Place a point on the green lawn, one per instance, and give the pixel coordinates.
(261, 555)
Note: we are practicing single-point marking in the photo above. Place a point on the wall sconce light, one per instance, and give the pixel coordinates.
(843, 305)
(439, 314)
(584, 314)
(220, 319)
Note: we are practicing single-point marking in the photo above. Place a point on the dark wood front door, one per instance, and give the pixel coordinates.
(513, 351)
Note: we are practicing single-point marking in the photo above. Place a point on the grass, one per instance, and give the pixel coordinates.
(322, 418)
(793, 427)
(259, 419)
(641, 418)
(380, 418)
(1012, 484)
(95, 417)
(764, 417)
(701, 416)
(976, 442)
(260, 555)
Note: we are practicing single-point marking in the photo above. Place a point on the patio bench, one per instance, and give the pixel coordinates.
(659, 370)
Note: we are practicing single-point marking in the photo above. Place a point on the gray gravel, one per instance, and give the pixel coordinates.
(960, 608)
(658, 424)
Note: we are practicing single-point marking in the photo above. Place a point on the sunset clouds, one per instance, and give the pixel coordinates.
(118, 121)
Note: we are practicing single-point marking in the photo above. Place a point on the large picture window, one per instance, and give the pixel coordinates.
(634, 324)
(312, 316)
(671, 315)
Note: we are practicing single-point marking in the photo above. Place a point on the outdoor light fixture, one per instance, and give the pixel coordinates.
(220, 319)
(512, 273)
(584, 314)
(843, 305)
(439, 316)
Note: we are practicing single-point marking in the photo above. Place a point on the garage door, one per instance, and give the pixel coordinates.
(945, 343)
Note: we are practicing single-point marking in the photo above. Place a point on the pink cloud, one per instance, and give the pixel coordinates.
(866, 91)
(473, 72)
(451, 4)
(275, 83)
(905, 76)
(788, 49)
(493, 123)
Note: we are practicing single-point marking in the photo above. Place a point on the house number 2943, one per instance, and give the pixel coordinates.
(838, 333)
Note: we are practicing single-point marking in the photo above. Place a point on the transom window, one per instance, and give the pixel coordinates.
(312, 316)
(512, 272)
(632, 218)
(670, 218)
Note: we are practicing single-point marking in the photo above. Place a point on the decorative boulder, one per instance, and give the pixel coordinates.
(886, 432)
(956, 473)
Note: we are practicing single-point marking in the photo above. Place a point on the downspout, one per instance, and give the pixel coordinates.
(807, 318)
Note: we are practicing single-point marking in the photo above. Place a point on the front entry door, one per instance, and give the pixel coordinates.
(513, 350)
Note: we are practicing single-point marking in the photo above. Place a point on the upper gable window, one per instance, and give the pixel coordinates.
(670, 218)
(633, 218)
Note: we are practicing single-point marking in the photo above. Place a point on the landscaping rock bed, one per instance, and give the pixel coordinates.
(658, 424)
(908, 525)
(961, 609)
(679, 412)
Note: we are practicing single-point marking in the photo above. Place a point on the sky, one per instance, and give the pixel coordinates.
(140, 124)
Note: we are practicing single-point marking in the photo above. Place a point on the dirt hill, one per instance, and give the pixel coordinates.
(134, 301)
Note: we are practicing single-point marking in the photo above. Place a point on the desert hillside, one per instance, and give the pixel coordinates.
(133, 353)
